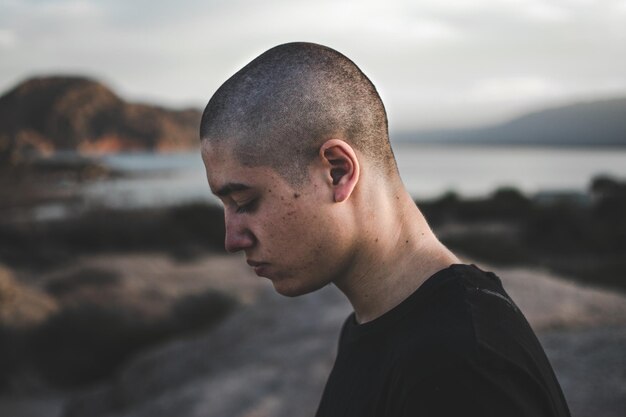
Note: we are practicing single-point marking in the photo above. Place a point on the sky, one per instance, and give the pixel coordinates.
(436, 63)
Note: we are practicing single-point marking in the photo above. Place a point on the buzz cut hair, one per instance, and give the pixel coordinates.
(279, 109)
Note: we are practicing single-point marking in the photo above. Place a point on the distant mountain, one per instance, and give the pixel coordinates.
(43, 115)
(600, 123)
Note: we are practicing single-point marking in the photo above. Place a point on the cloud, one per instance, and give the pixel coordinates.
(516, 88)
(8, 39)
(547, 12)
(69, 9)
(417, 29)
(433, 57)
(620, 7)
(51, 11)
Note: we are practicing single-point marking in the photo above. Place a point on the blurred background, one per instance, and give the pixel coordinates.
(508, 120)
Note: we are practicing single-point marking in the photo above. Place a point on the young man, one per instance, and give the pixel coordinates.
(296, 146)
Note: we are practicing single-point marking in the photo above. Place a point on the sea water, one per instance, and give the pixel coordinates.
(427, 171)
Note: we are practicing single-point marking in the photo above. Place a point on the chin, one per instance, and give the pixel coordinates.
(289, 291)
(292, 289)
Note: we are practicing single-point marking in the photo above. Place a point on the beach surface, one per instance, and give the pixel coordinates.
(271, 357)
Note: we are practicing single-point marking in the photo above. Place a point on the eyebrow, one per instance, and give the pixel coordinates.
(230, 188)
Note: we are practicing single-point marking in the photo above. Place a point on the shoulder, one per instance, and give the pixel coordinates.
(455, 306)
(466, 313)
(461, 385)
(466, 323)
(478, 354)
(467, 378)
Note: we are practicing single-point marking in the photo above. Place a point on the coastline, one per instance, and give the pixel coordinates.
(195, 331)
(276, 352)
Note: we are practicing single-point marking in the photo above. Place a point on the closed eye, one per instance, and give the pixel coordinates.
(248, 207)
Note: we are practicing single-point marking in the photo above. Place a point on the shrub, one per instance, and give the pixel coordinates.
(86, 343)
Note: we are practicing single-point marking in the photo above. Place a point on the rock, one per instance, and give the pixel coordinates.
(21, 306)
(273, 358)
(47, 114)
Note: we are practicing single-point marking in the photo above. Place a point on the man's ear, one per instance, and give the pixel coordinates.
(342, 166)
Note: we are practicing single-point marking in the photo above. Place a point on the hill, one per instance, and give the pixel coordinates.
(601, 123)
(47, 114)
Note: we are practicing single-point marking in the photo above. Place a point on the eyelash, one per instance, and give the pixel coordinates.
(246, 208)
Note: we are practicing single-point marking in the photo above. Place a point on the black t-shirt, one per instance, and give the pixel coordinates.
(458, 346)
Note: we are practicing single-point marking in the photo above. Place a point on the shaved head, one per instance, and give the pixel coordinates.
(280, 108)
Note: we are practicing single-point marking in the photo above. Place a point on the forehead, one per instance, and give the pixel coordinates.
(223, 169)
(216, 155)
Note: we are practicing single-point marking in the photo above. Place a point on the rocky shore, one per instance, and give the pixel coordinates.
(43, 115)
(138, 312)
(272, 356)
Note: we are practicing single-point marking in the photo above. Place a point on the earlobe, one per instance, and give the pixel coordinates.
(343, 168)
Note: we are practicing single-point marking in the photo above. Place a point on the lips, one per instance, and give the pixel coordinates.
(259, 267)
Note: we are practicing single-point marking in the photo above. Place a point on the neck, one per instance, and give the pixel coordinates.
(398, 253)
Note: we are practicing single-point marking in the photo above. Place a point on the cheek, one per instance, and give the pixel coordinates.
(279, 228)
(311, 239)
(297, 230)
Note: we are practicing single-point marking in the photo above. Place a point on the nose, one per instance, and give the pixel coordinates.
(238, 235)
